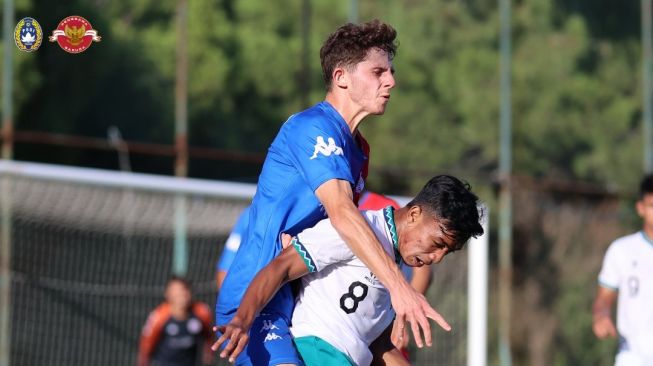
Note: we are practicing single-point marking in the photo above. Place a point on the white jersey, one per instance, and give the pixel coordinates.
(341, 301)
(628, 268)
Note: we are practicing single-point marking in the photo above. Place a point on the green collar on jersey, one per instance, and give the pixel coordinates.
(646, 237)
(389, 216)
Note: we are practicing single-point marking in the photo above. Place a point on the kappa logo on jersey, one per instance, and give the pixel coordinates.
(271, 337)
(268, 325)
(326, 149)
(372, 279)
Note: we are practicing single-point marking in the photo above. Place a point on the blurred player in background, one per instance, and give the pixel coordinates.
(177, 332)
(316, 167)
(231, 247)
(627, 278)
(342, 307)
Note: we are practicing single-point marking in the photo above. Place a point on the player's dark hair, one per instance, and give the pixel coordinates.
(182, 280)
(646, 186)
(454, 205)
(349, 45)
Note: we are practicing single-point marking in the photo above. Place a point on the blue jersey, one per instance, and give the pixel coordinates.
(233, 241)
(312, 147)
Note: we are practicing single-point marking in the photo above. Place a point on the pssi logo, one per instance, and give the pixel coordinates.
(28, 35)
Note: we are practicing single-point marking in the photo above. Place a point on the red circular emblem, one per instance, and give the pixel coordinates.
(74, 34)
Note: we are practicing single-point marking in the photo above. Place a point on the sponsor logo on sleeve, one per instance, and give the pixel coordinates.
(326, 149)
(271, 337)
(267, 326)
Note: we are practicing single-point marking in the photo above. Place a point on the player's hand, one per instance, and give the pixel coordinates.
(237, 334)
(285, 240)
(603, 327)
(412, 307)
(399, 340)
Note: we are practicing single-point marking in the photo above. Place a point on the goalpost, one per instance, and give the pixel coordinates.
(85, 253)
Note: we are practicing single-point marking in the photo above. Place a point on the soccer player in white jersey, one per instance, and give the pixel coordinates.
(627, 277)
(342, 307)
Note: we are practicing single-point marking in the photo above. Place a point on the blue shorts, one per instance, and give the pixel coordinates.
(270, 343)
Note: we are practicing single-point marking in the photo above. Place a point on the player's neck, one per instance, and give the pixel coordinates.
(648, 231)
(350, 112)
(179, 313)
(400, 216)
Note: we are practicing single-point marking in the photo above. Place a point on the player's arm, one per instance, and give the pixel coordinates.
(203, 313)
(286, 267)
(421, 279)
(336, 197)
(219, 278)
(602, 323)
(385, 353)
(151, 334)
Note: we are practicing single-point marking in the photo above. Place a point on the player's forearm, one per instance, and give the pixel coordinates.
(356, 232)
(392, 357)
(603, 303)
(260, 291)
(601, 309)
(286, 267)
(421, 279)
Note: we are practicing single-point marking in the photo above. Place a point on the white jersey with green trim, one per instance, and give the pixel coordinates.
(628, 269)
(341, 301)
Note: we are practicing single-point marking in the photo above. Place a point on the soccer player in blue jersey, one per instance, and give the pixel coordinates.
(316, 167)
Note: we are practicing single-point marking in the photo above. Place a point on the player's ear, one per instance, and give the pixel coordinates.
(340, 78)
(414, 213)
(639, 206)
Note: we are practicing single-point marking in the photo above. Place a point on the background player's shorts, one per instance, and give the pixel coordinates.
(317, 352)
(270, 343)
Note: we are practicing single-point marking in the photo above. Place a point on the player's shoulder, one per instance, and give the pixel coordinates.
(627, 246)
(315, 118)
(628, 241)
(161, 311)
(157, 318)
(202, 311)
(378, 222)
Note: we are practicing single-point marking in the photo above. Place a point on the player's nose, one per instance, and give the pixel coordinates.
(437, 256)
(390, 82)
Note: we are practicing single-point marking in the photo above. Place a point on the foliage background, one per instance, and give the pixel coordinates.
(576, 116)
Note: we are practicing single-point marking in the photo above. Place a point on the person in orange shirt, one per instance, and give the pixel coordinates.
(177, 332)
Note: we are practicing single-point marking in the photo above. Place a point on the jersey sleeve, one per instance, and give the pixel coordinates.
(152, 333)
(317, 152)
(321, 246)
(609, 276)
(233, 242)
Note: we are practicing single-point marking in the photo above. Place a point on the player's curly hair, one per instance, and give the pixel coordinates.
(349, 45)
(452, 202)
